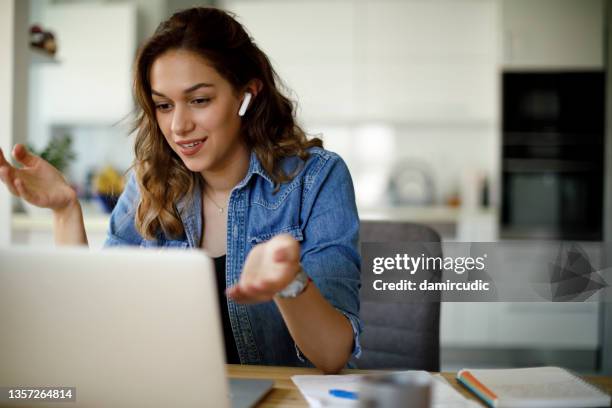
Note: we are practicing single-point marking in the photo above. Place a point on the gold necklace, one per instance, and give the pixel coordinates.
(214, 202)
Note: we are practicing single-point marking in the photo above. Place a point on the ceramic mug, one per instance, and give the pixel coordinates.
(405, 389)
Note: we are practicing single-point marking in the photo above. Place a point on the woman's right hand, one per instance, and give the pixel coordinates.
(37, 182)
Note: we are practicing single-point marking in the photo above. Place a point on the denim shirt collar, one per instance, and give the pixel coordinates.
(255, 167)
(189, 207)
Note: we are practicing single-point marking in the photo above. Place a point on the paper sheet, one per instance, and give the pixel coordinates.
(315, 389)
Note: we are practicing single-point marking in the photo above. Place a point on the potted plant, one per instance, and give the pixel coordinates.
(58, 152)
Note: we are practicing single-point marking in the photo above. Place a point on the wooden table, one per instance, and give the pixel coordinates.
(286, 394)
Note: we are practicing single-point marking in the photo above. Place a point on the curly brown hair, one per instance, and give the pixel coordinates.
(269, 127)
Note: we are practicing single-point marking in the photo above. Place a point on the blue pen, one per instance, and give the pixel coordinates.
(343, 394)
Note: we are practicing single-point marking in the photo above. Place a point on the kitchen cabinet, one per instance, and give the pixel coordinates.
(573, 326)
(526, 325)
(553, 34)
(405, 50)
(382, 60)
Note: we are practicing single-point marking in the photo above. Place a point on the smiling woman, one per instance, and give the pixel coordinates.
(221, 165)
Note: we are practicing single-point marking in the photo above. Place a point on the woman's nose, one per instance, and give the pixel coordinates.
(182, 122)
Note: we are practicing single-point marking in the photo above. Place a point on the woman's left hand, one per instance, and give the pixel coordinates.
(268, 269)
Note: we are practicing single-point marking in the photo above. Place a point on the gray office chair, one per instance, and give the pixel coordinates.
(400, 335)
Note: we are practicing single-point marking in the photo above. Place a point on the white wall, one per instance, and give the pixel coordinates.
(96, 48)
(87, 93)
(7, 12)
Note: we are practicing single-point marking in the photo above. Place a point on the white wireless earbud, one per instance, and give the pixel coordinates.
(245, 103)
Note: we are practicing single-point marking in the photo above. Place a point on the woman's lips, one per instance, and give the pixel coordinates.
(191, 147)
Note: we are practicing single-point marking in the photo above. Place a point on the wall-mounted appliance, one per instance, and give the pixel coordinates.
(553, 162)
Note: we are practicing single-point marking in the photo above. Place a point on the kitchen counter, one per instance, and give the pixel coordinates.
(426, 214)
(26, 222)
(452, 223)
(449, 221)
(41, 219)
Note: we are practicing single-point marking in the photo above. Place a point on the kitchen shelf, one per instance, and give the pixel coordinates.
(40, 57)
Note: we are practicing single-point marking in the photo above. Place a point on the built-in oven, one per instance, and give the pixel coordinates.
(553, 155)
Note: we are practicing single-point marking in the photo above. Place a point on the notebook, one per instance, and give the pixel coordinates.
(532, 388)
(315, 389)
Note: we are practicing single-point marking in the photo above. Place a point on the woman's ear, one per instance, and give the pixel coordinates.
(253, 87)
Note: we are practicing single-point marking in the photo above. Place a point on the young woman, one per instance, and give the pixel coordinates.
(220, 164)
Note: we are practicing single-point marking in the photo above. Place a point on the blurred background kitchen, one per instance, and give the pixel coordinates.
(485, 119)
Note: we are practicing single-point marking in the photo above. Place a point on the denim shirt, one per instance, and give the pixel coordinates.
(317, 207)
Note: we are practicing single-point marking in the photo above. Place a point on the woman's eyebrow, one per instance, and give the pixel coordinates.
(186, 91)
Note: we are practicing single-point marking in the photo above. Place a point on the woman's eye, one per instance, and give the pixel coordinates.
(162, 106)
(200, 101)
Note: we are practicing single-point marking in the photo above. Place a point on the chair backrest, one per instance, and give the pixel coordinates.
(399, 335)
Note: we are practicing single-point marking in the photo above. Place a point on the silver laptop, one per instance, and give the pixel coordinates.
(118, 327)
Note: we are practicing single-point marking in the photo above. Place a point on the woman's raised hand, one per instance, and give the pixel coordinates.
(268, 269)
(37, 182)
